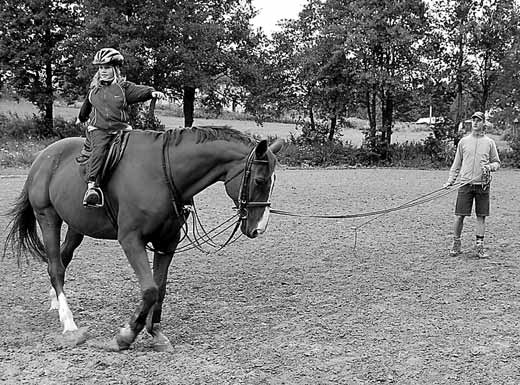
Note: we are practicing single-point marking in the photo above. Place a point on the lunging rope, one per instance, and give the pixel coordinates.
(436, 194)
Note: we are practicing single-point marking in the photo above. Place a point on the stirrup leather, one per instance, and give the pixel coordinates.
(94, 191)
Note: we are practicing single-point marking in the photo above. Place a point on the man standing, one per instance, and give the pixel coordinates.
(475, 159)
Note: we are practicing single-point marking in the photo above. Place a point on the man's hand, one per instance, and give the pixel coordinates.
(447, 185)
(158, 95)
(486, 168)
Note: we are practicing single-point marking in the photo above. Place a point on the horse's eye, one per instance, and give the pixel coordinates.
(261, 181)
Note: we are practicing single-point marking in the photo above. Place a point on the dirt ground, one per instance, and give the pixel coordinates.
(314, 301)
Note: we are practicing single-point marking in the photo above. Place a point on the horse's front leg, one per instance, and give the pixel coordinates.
(161, 263)
(134, 249)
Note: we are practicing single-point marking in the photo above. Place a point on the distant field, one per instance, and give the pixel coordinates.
(405, 132)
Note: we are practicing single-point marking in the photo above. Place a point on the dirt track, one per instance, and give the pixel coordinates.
(298, 306)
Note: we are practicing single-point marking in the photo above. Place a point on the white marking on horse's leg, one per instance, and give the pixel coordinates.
(66, 317)
(54, 300)
(126, 332)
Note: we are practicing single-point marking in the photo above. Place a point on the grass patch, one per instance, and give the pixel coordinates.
(20, 153)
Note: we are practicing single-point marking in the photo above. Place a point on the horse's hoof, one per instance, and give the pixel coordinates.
(162, 347)
(110, 346)
(113, 346)
(73, 338)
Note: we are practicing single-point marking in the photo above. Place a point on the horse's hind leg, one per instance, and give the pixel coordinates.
(50, 224)
(72, 240)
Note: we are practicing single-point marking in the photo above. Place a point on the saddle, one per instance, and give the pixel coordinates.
(114, 155)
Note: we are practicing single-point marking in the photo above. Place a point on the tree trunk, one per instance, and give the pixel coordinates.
(188, 103)
(371, 112)
(311, 117)
(332, 129)
(49, 113)
(387, 117)
(459, 118)
(48, 98)
(486, 86)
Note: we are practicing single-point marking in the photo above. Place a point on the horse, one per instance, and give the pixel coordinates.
(158, 173)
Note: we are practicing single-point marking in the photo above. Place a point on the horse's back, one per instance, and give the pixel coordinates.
(55, 182)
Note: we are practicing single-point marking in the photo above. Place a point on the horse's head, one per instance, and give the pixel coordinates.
(252, 192)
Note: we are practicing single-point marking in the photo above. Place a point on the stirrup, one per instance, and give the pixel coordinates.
(94, 197)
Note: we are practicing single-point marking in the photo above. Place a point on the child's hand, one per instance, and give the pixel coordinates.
(158, 95)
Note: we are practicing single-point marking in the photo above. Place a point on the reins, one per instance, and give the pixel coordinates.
(202, 237)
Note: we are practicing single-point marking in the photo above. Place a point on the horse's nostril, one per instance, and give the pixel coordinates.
(254, 234)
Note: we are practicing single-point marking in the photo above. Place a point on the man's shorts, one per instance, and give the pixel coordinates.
(465, 197)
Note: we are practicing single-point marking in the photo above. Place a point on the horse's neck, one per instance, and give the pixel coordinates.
(208, 163)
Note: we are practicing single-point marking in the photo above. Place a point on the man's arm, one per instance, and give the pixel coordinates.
(456, 165)
(494, 160)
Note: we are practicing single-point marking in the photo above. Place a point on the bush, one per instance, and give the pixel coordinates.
(20, 153)
(140, 119)
(65, 128)
(16, 127)
(429, 153)
(511, 158)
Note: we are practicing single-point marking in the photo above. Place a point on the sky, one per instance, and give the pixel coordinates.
(271, 11)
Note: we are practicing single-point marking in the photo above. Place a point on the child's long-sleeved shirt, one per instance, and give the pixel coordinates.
(473, 152)
(109, 104)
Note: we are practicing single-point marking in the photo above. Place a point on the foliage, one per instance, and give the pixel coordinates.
(141, 118)
(32, 33)
(14, 126)
(429, 153)
(511, 158)
(20, 153)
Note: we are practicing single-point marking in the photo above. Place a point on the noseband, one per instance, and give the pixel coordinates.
(243, 200)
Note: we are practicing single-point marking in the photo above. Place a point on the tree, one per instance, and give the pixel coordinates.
(317, 73)
(213, 39)
(32, 33)
(384, 39)
(491, 41)
(296, 59)
(176, 45)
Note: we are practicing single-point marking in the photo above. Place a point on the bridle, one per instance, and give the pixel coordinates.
(244, 192)
(182, 212)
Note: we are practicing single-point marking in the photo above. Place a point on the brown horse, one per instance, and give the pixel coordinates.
(158, 174)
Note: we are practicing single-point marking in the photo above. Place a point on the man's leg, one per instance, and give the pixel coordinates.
(463, 208)
(458, 224)
(481, 226)
(482, 210)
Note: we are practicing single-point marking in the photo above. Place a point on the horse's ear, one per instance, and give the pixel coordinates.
(276, 146)
(261, 149)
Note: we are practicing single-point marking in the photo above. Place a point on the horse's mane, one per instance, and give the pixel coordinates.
(212, 133)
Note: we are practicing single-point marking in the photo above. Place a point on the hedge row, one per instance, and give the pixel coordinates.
(23, 135)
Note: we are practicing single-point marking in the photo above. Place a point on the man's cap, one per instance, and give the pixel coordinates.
(478, 115)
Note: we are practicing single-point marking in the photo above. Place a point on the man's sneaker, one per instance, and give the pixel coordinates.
(479, 251)
(456, 248)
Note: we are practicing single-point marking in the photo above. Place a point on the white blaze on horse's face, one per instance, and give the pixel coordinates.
(252, 192)
(264, 219)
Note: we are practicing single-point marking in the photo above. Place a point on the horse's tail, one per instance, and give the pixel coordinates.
(22, 237)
